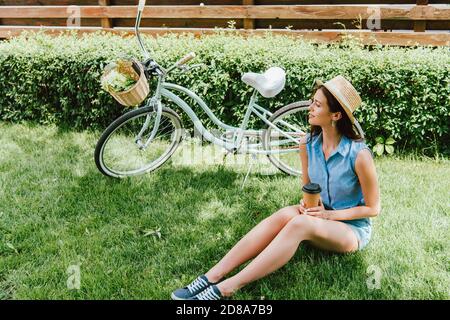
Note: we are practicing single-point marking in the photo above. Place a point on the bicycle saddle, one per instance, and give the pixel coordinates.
(269, 83)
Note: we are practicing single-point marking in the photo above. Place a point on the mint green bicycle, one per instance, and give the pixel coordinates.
(143, 139)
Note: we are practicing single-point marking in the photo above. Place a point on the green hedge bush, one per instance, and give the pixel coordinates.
(405, 91)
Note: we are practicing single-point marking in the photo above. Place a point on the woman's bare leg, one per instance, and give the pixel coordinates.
(252, 243)
(332, 235)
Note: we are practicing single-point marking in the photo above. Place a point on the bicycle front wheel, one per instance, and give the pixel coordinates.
(123, 151)
(291, 124)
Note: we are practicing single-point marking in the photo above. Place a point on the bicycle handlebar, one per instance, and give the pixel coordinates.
(141, 5)
(185, 59)
(179, 63)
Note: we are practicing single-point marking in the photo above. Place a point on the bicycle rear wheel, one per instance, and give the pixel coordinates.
(119, 153)
(292, 120)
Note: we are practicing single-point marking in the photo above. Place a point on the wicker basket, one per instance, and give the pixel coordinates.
(135, 95)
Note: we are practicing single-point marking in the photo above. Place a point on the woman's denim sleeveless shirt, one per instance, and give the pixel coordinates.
(336, 176)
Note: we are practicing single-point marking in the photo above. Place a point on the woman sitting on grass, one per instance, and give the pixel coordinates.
(336, 158)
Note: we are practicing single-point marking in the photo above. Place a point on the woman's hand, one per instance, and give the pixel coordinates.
(319, 211)
(301, 207)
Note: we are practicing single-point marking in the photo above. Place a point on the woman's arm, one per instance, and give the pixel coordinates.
(304, 160)
(367, 175)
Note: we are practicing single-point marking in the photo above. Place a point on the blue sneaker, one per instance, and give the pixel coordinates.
(194, 288)
(210, 293)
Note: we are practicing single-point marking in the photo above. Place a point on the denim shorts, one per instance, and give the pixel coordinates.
(362, 230)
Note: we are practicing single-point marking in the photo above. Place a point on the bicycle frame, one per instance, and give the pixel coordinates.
(165, 89)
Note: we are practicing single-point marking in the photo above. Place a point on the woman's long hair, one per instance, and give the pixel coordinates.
(343, 125)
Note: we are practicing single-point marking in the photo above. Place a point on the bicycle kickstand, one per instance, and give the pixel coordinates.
(225, 155)
(249, 169)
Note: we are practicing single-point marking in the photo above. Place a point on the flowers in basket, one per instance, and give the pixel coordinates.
(125, 80)
(119, 76)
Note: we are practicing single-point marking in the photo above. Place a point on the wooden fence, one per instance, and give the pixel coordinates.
(403, 23)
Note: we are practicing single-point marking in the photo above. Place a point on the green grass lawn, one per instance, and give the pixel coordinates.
(57, 210)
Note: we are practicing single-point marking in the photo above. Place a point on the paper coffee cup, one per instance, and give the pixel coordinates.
(311, 195)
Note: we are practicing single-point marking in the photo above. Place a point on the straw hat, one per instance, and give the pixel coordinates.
(344, 93)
